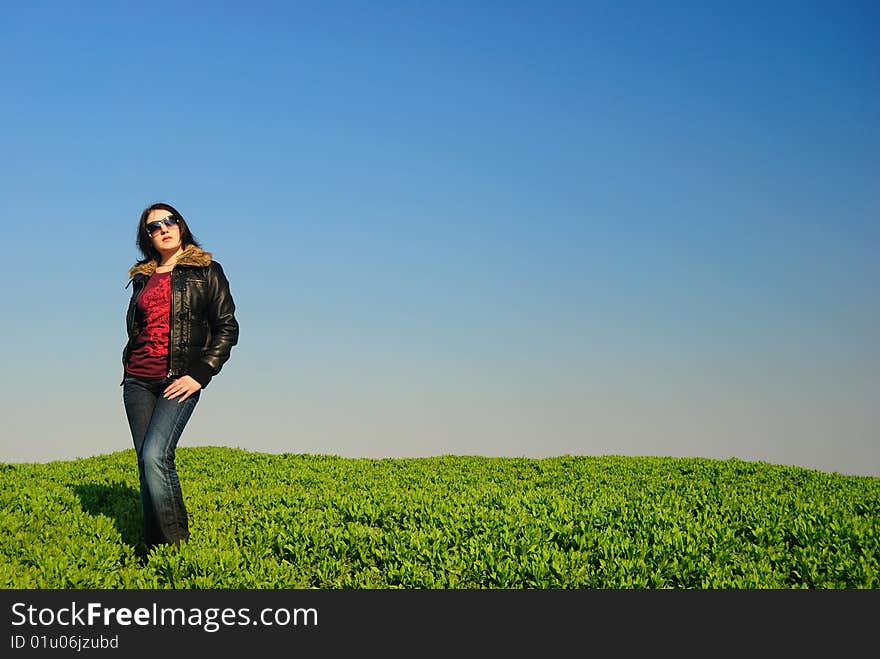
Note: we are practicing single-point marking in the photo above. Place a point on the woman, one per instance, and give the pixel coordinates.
(181, 328)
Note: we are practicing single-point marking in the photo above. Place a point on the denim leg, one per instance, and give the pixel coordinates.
(156, 425)
(139, 398)
(160, 443)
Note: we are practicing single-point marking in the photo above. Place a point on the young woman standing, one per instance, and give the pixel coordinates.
(181, 328)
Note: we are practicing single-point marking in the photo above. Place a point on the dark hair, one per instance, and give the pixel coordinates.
(145, 243)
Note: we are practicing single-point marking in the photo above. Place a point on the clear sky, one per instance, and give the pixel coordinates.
(474, 228)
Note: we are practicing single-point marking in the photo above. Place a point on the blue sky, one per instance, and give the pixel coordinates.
(476, 228)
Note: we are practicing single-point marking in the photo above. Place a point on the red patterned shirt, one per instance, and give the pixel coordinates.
(149, 353)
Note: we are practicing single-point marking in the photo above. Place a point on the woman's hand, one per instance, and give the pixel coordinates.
(183, 385)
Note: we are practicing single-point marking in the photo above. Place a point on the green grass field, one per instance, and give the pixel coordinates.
(261, 521)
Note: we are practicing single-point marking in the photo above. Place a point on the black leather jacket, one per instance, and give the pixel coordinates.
(203, 325)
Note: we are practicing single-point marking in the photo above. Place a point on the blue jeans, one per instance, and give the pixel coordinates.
(156, 425)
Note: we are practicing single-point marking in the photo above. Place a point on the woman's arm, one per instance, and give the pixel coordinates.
(220, 312)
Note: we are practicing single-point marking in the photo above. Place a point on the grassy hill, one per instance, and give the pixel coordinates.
(265, 521)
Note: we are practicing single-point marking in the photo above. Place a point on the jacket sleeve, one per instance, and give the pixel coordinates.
(224, 327)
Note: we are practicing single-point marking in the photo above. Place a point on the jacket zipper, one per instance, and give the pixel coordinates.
(130, 317)
(171, 328)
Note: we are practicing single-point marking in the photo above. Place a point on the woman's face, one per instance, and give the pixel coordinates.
(164, 238)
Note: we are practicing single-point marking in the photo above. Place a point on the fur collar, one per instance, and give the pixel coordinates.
(192, 255)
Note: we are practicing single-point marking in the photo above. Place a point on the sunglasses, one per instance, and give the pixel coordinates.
(153, 227)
